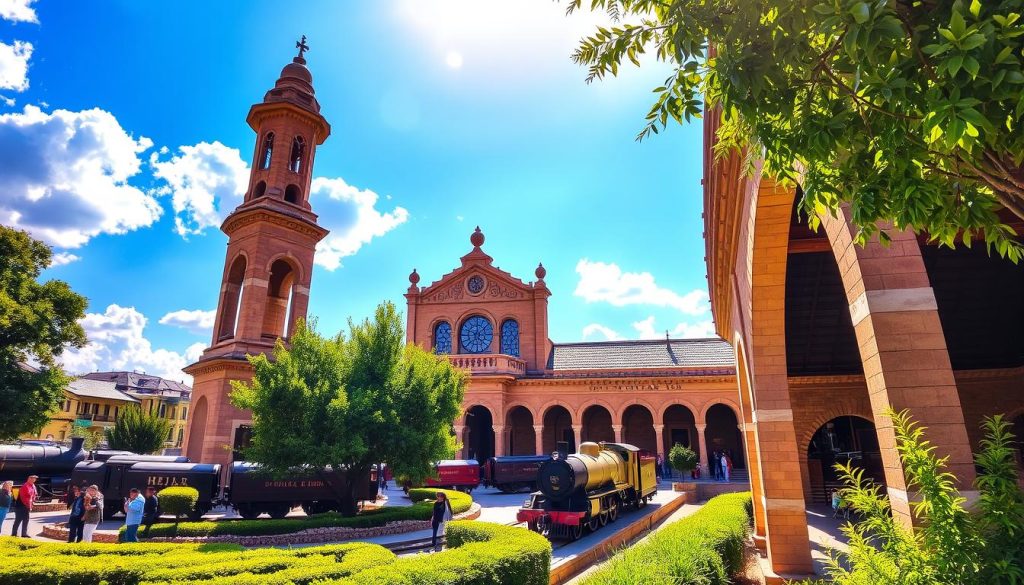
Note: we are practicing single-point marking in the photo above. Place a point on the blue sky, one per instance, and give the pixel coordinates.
(125, 145)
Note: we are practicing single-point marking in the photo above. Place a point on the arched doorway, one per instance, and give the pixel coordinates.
(680, 428)
(844, 439)
(638, 428)
(558, 427)
(723, 434)
(521, 438)
(479, 433)
(597, 424)
(197, 431)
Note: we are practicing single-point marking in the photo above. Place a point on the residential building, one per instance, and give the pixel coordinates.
(155, 395)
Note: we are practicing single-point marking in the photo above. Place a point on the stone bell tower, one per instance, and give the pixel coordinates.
(272, 236)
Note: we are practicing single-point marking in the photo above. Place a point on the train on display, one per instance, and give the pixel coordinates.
(51, 462)
(514, 473)
(588, 489)
(455, 474)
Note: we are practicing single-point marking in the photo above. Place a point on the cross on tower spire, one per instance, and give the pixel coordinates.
(302, 47)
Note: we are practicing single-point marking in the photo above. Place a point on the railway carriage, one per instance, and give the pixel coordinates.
(514, 473)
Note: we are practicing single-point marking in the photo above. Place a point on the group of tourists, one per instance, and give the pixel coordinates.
(85, 509)
(721, 465)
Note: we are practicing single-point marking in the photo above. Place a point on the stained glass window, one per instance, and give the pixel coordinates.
(476, 335)
(510, 337)
(443, 338)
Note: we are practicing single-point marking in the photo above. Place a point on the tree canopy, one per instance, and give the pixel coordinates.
(37, 321)
(908, 110)
(347, 403)
(138, 431)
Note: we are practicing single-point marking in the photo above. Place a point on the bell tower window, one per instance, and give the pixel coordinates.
(298, 153)
(291, 194)
(267, 152)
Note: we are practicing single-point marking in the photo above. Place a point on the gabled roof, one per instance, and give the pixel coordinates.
(625, 355)
(142, 383)
(84, 388)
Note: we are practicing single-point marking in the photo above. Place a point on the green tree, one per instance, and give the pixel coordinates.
(682, 459)
(909, 110)
(952, 545)
(345, 404)
(38, 320)
(138, 431)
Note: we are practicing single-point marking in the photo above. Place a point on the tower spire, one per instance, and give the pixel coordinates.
(302, 47)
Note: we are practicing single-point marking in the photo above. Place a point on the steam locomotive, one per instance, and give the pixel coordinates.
(52, 463)
(588, 489)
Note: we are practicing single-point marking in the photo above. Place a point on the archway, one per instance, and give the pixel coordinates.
(521, 438)
(279, 299)
(638, 428)
(844, 439)
(479, 433)
(723, 434)
(597, 424)
(231, 299)
(197, 431)
(558, 427)
(680, 428)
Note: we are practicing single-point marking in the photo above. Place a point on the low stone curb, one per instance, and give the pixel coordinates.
(54, 506)
(59, 531)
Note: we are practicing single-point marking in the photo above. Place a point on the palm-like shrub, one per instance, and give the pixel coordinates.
(137, 431)
(951, 545)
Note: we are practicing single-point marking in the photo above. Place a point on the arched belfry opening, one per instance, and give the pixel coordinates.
(231, 299)
(279, 299)
(292, 194)
(298, 154)
(266, 154)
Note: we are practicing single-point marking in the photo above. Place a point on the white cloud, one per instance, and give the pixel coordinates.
(117, 342)
(645, 329)
(352, 216)
(596, 329)
(18, 10)
(65, 176)
(205, 181)
(14, 65)
(9, 102)
(197, 321)
(62, 258)
(601, 282)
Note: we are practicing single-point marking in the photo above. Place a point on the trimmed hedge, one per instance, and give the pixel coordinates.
(178, 501)
(420, 510)
(706, 548)
(479, 554)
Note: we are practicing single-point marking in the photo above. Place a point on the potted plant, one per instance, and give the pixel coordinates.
(683, 459)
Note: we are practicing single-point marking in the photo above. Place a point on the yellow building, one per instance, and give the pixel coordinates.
(89, 404)
(156, 395)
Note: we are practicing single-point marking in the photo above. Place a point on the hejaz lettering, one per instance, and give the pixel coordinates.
(165, 481)
(290, 483)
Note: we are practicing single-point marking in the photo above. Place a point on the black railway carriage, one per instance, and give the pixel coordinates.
(52, 463)
(117, 476)
(513, 473)
(253, 492)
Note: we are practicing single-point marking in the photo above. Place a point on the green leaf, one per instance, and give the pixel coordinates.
(861, 13)
(975, 8)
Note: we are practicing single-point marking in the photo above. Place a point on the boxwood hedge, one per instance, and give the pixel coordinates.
(419, 510)
(706, 548)
(479, 554)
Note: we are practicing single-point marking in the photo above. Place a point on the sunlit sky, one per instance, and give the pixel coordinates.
(123, 144)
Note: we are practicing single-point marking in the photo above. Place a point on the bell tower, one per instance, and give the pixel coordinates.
(272, 236)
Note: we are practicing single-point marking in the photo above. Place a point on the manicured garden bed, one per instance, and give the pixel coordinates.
(479, 554)
(706, 548)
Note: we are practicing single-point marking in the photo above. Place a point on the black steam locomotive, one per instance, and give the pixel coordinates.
(52, 463)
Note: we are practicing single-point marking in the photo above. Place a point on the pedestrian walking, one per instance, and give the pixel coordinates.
(134, 505)
(77, 512)
(6, 501)
(725, 467)
(93, 504)
(439, 519)
(151, 511)
(23, 506)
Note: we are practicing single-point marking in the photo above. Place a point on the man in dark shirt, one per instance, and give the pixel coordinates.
(151, 511)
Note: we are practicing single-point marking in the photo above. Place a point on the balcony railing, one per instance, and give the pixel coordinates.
(490, 364)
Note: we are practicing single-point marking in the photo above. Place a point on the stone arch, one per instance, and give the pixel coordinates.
(720, 402)
(597, 423)
(292, 261)
(522, 439)
(293, 194)
(479, 432)
(231, 298)
(807, 431)
(281, 282)
(635, 402)
(259, 190)
(679, 426)
(543, 410)
(722, 433)
(669, 403)
(845, 438)
(638, 427)
(521, 404)
(197, 430)
(557, 423)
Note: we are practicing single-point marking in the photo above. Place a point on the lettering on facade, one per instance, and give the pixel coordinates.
(166, 480)
(641, 387)
(293, 483)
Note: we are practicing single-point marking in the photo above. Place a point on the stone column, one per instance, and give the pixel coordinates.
(903, 349)
(703, 454)
(577, 431)
(459, 429)
(538, 437)
(659, 432)
(499, 440)
(618, 433)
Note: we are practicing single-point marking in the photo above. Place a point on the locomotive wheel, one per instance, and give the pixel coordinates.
(248, 511)
(613, 511)
(195, 514)
(575, 532)
(279, 511)
(603, 518)
(594, 523)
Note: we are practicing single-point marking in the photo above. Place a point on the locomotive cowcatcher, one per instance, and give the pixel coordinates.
(589, 489)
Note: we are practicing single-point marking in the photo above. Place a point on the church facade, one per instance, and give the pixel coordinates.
(527, 393)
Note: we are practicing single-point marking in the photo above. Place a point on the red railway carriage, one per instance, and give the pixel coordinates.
(457, 474)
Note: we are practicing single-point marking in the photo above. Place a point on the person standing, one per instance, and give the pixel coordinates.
(134, 505)
(77, 506)
(713, 465)
(23, 506)
(151, 512)
(725, 466)
(439, 519)
(93, 504)
(6, 500)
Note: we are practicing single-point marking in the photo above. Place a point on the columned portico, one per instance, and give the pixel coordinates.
(703, 449)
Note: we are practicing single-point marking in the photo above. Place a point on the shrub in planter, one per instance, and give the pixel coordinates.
(682, 459)
(178, 501)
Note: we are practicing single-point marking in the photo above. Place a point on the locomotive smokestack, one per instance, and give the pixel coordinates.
(77, 443)
(563, 449)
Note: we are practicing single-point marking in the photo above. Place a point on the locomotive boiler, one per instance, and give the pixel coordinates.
(52, 463)
(588, 489)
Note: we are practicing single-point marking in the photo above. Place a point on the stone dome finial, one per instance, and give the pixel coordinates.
(414, 277)
(477, 239)
(541, 272)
